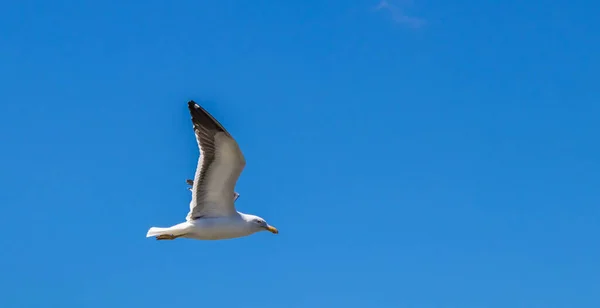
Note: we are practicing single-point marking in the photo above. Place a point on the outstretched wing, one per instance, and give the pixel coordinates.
(191, 183)
(220, 164)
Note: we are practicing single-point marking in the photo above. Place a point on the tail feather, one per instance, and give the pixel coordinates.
(176, 230)
(156, 231)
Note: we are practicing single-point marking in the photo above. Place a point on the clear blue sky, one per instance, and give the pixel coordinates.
(426, 154)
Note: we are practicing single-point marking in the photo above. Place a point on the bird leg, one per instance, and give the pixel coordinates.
(167, 237)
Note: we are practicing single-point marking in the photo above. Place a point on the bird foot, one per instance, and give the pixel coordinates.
(166, 237)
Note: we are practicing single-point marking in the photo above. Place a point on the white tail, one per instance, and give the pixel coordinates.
(155, 231)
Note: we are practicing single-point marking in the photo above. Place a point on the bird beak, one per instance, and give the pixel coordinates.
(272, 229)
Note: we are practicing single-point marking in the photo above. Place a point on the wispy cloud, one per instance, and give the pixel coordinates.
(398, 14)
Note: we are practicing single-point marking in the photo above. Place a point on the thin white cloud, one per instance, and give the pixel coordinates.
(398, 14)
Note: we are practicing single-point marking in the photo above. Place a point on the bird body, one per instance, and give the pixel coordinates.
(211, 228)
(212, 214)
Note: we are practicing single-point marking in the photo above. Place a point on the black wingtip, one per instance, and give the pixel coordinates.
(200, 115)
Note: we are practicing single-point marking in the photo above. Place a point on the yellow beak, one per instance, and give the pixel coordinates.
(272, 229)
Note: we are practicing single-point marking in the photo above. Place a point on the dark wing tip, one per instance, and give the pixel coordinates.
(201, 117)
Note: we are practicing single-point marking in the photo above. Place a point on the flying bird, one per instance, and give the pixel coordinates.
(212, 214)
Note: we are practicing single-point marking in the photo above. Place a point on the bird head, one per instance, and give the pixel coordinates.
(262, 225)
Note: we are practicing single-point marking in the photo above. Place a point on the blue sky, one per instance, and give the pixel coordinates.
(412, 153)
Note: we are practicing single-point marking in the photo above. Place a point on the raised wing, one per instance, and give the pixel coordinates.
(220, 164)
(191, 183)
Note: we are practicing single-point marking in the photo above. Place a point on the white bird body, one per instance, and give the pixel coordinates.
(211, 228)
(212, 214)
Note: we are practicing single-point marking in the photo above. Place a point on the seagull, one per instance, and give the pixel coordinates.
(212, 214)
